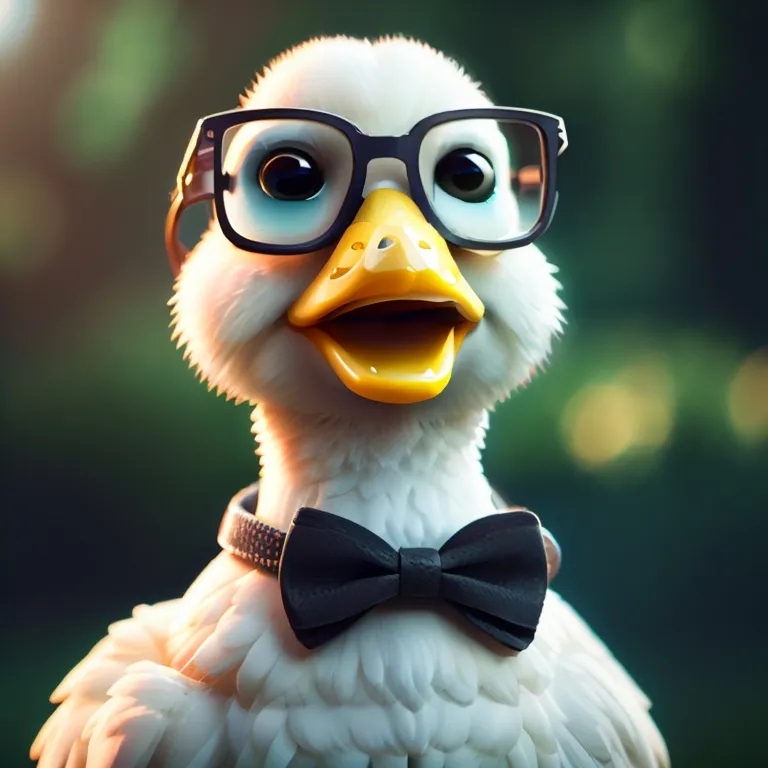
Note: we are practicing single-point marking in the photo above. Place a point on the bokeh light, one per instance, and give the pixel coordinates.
(748, 397)
(600, 423)
(31, 220)
(633, 413)
(660, 39)
(17, 19)
(652, 388)
(143, 47)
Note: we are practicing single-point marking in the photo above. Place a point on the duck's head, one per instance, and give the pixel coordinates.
(344, 274)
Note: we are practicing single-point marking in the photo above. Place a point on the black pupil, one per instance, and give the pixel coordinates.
(290, 175)
(466, 175)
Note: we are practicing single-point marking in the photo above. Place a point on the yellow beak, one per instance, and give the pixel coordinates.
(390, 309)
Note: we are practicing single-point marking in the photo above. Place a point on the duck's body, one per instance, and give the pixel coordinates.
(217, 679)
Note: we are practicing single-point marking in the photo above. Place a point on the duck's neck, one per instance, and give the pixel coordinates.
(412, 483)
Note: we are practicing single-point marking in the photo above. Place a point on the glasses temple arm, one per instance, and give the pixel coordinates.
(195, 186)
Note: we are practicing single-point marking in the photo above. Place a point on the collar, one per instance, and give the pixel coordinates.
(243, 535)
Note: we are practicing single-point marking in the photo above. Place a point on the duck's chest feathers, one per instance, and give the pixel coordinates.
(405, 679)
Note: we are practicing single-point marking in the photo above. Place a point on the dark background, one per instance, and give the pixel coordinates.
(643, 447)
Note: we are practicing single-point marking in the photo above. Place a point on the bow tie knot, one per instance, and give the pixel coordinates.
(421, 572)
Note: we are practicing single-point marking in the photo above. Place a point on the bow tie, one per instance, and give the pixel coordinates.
(332, 571)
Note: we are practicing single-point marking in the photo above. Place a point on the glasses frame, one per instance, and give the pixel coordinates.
(201, 176)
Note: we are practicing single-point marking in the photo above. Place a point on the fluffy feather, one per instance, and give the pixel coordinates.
(216, 679)
(396, 684)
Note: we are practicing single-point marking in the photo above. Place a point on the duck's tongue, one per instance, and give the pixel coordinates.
(387, 359)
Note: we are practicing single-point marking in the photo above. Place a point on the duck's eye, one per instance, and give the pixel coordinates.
(467, 175)
(290, 174)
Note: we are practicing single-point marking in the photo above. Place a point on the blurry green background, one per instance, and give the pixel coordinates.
(644, 447)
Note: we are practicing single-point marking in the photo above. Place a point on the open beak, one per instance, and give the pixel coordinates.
(390, 309)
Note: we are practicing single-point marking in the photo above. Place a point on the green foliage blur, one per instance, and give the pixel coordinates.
(643, 447)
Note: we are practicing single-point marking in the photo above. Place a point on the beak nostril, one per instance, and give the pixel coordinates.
(358, 246)
(385, 242)
(425, 245)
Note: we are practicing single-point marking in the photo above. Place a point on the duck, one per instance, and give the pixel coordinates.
(374, 316)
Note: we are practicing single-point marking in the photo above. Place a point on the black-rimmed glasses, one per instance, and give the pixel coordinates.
(290, 181)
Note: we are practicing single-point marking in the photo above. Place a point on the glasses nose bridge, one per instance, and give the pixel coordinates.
(386, 162)
(385, 148)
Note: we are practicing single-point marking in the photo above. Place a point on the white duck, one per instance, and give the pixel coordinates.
(217, 678)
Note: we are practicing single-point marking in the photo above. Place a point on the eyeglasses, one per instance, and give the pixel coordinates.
(290, 181)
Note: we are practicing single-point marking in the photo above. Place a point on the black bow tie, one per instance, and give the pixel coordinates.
(332, 571)
(494, 571)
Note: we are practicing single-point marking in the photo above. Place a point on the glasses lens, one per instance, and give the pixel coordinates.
(287, 179)
(484, 178)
